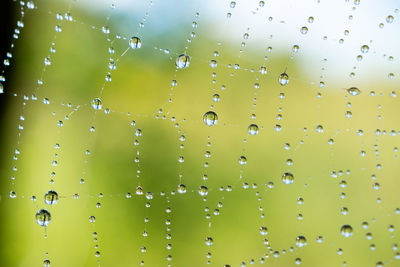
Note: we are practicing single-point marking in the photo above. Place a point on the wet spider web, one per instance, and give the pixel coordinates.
(227, 133)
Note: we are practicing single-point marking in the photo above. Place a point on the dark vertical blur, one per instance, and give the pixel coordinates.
(8, 9)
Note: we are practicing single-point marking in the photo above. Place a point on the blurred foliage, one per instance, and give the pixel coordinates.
(140, 85)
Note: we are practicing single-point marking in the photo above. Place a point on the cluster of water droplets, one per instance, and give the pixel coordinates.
(210, 118)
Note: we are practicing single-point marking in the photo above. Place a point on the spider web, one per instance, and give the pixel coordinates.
(228, 133)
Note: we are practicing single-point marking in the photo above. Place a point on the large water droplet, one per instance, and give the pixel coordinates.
(301, 241)
(203, 191)
(51, 197)
(242, 160)
(210, 118)
(181, 189)
(304, 30)
(263, 230)
(43, 217)
(96, 103)
(182, 61)
(287, 178)
(365, 49)
(263, 70)
(253, 129)
(135, 43)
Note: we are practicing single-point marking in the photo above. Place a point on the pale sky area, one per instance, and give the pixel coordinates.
(331, 19)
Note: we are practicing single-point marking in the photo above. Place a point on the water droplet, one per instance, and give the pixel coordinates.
(353, 91)
(46, 263)
(319, 129)
(344, 211)
(13, 194)
(304, 30)
(96, 103)
(112, 65)
(295, 48)
(213, 63)
(283, 79)
(203, 191)
(301, 241)
(135, 43)
(263, 70)
(209, 241)
(51, 197)
(210, 118)
(105, 29)
(242, 160)
(216, 98)
(47, 61)
(43, 217)
(253, 129)
(92, 219)
(346, 230)
(139, 190)
(181, 189)
(364, 49)
(182, 61)
(287, 178)
(263, 230)
(389, 19)
(30, 5)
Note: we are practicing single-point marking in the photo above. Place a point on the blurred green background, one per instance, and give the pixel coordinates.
(141, 86)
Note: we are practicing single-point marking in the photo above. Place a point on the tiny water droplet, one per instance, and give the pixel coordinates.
(283, 79)
(364, 49)
(213, 63)
(263, 230)
(209, 241)
(263, 70)
(304, 30)
(353, 91)
(96, 103)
